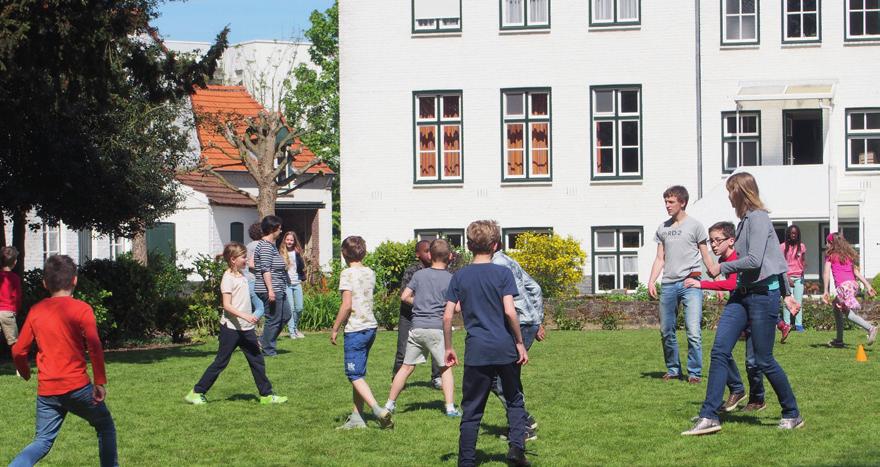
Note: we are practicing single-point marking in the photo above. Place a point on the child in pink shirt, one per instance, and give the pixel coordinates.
(795, 255)
(840, 263)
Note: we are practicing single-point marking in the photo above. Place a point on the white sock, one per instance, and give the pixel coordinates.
(391, 405)
(450, 407)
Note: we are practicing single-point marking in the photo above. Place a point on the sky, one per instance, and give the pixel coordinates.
(201, 20)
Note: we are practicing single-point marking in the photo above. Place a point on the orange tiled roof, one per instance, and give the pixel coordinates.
(235, 100)
(217, 192)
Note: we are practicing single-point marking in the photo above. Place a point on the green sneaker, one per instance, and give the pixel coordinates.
(195, 398)
(272, 399)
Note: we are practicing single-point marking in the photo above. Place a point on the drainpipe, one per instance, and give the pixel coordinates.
(699, 79)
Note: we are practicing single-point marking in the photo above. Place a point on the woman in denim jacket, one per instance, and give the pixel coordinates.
(754, 304)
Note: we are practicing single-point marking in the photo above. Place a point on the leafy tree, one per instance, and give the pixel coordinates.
(89, 111)
(554, 261)
(312, 106)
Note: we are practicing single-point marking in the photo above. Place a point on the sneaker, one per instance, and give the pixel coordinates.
(454, 413)
(872, 336)
(196, 398)
(754, 407)
(790, 423)
(836, 344)
(703, 426)
(384, 417)
(733, 401)
(352, 425)
(532, 423)
(786, 329)
(391, 408)
(437, 383)
(670, 377)
(517, 457)
(799, 328)
(531, 435)
(300, 335)
(694, 380)
(272, 399)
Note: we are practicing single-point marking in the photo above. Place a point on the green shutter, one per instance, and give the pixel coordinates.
(160, 239)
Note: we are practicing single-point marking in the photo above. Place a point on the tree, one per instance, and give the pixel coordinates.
(312, 107)
(88, 114)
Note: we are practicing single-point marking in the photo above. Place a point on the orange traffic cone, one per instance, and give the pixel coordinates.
(861, 356)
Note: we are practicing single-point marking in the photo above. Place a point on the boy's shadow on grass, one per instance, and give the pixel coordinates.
(148, 356)
(420, 384)
(826, 347)
(482, 457)
(243, 397)
(493, 430)
(653, 374)
(432, 405)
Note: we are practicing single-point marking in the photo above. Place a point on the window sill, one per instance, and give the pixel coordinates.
(428, 34)
(530, 183)
(614, 27)
(862, 171)
(861, 42)
(801, 45)
(429, 185)
(617, 181)
(526, 30)
(740, 46)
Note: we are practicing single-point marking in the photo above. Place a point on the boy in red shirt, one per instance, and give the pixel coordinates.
(10, 294)
(62, 328)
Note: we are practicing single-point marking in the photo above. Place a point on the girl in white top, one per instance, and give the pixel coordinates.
(291, 252)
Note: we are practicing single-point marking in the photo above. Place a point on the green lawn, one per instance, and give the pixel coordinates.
(597, 395)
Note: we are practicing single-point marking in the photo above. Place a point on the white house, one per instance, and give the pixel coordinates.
(575, 116)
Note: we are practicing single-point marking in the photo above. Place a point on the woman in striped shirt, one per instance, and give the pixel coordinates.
(272, 283)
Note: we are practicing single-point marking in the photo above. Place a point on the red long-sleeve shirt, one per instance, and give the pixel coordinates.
(63, 327)
(10, 291)
(728, 284)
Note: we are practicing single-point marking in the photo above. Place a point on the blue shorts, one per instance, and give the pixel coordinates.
(357, 349)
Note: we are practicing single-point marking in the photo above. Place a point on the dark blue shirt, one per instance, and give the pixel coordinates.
(480, 288)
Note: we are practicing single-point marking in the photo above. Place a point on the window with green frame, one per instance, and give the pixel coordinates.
(801, 21)
(510, 236)
(740, 22)
(436, 16)
(615, 12)
(438, 125)
(616, 114)
(455, 237)
(616, 257)
(740, 140)
(863, 139)
(862, 20)
(526, 128)
(525, 14)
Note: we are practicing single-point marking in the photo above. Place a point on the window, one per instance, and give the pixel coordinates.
(438, 137)
(51, 240)
(436, 16)
(616, 258)
(522, 14)
(862, 19)
(455, 237)
(616, 113)
(801, 21)
(236, 232)
(863, 139)
(615, 12)
(525, 115)
(161, 240)
(511, 236)
(118, 246)
(84, 245)
(740, 140)
(780, 228)
(739, 22)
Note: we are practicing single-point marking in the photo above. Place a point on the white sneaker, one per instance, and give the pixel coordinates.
(703, 426)
(299, 334)
(352, 425)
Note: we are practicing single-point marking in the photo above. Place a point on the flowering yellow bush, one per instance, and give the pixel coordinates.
(554, 261)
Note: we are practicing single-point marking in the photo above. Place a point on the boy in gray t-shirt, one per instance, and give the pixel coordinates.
(681, 244)
(426, 291)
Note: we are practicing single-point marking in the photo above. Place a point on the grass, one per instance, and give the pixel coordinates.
(597, 395)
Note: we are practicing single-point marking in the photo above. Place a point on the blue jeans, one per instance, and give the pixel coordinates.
(759, 313)
(277, 315)
(295, 303)
(756, 378)
(257, 304)
(671, 296)
(528, 331)
(51, 411)
(798, 292)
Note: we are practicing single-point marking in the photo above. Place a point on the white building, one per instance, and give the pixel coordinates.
(575, 116)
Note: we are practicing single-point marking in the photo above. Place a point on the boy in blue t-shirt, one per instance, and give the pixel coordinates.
(493, 346)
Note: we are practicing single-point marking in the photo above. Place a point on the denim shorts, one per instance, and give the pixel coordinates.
(357, 348)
